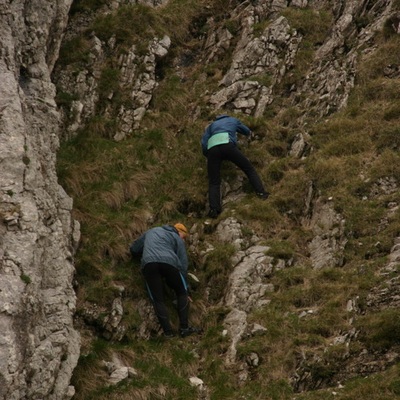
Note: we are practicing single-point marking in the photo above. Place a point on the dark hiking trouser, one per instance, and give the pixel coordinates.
(230, 152)
(155, 274)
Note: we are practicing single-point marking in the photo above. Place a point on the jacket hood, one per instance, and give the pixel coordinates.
(170, 228)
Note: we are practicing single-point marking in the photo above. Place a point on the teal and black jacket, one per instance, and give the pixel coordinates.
(222, 130)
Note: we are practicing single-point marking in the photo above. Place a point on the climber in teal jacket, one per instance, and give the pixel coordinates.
(219, 143)
(163, 258)
(224, 123)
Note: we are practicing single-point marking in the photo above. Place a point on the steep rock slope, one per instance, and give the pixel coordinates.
(297, 58)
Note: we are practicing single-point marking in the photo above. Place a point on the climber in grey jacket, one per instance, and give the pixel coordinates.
(163, 257)
(163, 244)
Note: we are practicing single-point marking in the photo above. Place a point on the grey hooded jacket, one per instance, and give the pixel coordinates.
(163, 245)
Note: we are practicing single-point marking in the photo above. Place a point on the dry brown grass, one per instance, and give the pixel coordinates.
(123, 192)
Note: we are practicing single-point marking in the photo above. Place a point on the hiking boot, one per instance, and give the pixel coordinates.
(213, 213)
(169, 334)
(263, 195)
(189, 331)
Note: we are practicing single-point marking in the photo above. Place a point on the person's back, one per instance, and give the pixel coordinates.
(229, 124)
(223, 124)
(159, 246)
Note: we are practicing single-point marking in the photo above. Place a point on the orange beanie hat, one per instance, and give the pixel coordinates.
(181, 228)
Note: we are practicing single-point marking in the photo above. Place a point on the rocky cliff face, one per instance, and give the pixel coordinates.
(39, 346)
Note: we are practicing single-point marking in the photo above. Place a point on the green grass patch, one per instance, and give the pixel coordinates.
(380, 331)
(217, 266)
(79, 6)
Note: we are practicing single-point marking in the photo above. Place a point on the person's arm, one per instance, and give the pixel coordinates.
(243, 129)
(182, 256)
(204, 140)
(183, 259)
(136, 247)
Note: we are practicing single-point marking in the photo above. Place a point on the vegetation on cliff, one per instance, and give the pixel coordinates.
(157, 175)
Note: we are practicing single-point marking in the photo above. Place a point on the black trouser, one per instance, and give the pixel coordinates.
(230, 152)
(155, 274)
